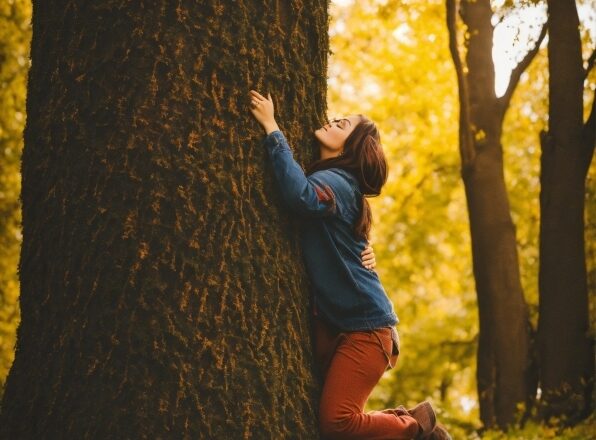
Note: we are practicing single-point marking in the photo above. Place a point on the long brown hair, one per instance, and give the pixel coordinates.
(363, 157)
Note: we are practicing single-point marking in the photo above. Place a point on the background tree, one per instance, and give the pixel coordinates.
(567, 150)
(504, 371)
(160, 293)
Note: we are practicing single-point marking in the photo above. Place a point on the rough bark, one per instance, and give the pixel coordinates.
(565, 344)
(162, 289)
(504, 364)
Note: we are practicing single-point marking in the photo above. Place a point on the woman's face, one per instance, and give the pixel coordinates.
(332, 136)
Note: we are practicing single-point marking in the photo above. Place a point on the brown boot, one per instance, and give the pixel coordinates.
(440, 433)
(426, 418)
(401, 411)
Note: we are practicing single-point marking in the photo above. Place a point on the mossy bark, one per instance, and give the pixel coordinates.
(162, 288)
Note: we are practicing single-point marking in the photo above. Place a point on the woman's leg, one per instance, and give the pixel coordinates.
(354, 369)
(326, 340)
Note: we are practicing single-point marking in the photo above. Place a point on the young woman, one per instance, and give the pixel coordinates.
(354, 320)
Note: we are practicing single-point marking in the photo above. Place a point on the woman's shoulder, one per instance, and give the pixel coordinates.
(337, 176)
(345, 188)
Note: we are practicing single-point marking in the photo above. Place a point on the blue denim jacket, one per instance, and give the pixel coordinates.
(347, 294)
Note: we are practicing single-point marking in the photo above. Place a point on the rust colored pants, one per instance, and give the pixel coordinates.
(351, 364)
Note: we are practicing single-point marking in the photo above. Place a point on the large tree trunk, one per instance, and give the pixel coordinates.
(162, 288)
(566, 350)
(505, 370)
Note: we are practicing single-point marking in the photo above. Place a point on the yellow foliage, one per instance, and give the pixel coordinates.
(15, 34)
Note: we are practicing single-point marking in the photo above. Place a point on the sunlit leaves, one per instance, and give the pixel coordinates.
(14, 53)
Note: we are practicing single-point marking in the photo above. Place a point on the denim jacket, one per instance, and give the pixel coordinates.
(348, 295)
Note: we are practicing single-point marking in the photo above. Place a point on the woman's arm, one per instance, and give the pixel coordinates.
(297, 190)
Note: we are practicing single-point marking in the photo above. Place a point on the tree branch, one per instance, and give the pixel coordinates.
(466, 144)
(520, 68)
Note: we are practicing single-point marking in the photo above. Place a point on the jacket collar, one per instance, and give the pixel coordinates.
(349, 176)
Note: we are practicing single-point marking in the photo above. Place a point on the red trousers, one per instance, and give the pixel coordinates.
(351, 364)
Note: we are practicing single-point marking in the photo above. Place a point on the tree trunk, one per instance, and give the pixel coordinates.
(162, 288)
(504, 369)
(566, 350)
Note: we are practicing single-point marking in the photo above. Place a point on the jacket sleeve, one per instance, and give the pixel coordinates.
(298, 192)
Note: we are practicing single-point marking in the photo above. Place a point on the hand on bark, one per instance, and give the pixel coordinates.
(262, 110)
(368, 257)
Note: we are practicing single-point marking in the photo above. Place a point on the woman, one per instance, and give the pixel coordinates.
(355, 336)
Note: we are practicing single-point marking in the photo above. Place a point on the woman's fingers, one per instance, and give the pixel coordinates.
(369, 261)
(256, 94)
(262, 108)
(368, 257)
(369, 264)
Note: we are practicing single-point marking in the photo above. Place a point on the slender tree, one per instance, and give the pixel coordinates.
(565, 344)
(162, 289)
(505, 366)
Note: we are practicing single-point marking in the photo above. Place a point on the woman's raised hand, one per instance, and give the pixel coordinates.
(368, 257)
(262, 110)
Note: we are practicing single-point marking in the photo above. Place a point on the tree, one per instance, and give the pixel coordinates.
(162, 290)
(505, 371)
(565, 345)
